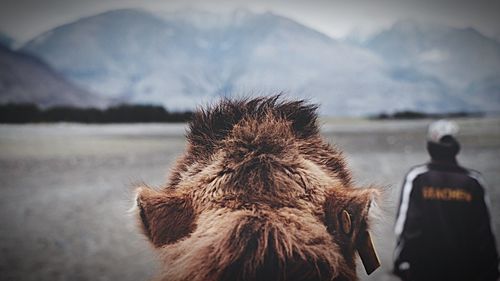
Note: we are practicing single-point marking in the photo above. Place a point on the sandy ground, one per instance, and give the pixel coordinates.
(66, 188)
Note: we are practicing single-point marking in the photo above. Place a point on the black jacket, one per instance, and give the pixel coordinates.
(443, 225)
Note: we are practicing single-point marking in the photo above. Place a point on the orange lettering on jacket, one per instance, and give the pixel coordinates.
(446, 194)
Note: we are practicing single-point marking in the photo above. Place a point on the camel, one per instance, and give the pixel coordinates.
(258, 195)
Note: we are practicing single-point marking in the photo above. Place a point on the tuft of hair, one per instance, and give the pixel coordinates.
(210, 126)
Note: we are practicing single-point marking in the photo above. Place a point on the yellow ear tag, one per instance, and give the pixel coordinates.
(345, 219)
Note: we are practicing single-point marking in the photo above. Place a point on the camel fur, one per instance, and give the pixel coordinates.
(257, 195)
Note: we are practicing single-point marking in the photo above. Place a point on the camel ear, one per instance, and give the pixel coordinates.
(361, 201)
(165, 216)
(346, 213)
(346, 209)
(363, 241)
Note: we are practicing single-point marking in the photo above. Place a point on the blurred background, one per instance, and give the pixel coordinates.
(94, 96)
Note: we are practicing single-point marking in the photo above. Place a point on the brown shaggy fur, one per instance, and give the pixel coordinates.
(256, 196)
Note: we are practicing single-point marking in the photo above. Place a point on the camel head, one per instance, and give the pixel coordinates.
(258, 195)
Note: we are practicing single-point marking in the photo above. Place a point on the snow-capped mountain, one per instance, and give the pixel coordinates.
(458, 55)
(183, 59)
(464, 59)
(26, 79)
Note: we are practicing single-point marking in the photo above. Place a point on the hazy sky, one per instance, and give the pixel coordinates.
(24, 19)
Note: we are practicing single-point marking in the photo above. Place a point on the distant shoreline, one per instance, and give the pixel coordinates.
(27, 113)
(125, 113)
(413, 115)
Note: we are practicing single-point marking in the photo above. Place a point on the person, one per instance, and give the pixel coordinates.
(443, 225)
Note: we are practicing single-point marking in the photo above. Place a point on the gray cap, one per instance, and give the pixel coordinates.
(441, 128)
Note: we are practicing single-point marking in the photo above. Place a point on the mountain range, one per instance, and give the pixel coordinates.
(190, 57)
(466, 61)
(27, 79)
